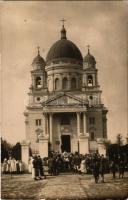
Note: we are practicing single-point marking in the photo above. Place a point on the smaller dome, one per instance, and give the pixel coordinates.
(89, 59)
(38, 60)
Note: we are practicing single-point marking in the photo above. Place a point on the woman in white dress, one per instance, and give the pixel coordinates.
(21, 166)
(4, 166)
(33, 169)
(30, 165)
(82, 168)
(13, 165)
(9, 165)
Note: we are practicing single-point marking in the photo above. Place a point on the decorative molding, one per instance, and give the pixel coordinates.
(63, 99)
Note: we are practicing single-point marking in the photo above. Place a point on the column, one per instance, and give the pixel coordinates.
(78, 123)
(25, 154)
(84, 123)
(44, 123)
(47, 127)
(77, 82)
(50, 121)
(83, 81)
(69, 83)
(60, 78)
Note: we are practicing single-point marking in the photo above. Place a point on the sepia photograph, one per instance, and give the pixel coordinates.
(64, 100)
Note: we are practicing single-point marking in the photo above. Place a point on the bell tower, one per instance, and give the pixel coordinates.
(90, 79)
(96, 114)
(39, 79)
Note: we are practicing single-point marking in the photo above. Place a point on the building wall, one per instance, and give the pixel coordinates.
(31, 128)
(97, 127)
(82, 92)
(63, 70)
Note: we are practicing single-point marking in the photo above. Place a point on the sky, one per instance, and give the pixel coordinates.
(27, 24)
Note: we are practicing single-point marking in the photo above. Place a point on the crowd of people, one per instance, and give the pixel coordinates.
(13, 166)
(36, 167)
(57, 163)
(94, 164)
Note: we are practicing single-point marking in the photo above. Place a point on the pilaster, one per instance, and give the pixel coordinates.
(84, 143)
(84, 123)
(51, 127)
(43, 145)
(25, 153)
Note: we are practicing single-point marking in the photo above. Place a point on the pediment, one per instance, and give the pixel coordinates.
(64, 99)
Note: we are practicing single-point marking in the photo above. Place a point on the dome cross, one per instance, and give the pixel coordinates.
(38, 49)
(88, 46)
(63, 31)
(63, 20)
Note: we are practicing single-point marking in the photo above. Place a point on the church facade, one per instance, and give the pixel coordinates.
(65, 111)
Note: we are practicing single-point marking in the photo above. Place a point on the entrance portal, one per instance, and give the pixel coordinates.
(65, 141)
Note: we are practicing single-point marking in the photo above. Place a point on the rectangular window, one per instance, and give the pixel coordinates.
(38, 122)
(92, 120)
(92, 136)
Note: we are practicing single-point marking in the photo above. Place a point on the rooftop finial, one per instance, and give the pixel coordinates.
(88, 46)
(38, 48)
(63, 20)
(63, 31)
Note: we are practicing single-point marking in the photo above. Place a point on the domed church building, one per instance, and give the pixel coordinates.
(65, 111)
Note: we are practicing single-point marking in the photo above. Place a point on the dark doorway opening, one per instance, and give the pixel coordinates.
(66, 143)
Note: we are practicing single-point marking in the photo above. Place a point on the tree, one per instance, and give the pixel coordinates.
(5, 149)
(16, 151)
(119, 144)
(119, 139)
(118, 151)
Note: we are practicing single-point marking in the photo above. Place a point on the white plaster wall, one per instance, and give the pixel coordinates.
(31, 130)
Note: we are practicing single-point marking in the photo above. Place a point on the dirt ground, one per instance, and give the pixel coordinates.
(64, 186)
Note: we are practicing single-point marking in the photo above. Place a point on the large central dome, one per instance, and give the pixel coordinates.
(64, 48)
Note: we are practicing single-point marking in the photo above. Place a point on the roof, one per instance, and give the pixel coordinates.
(64, 49)
(38, 60)
(89, 59)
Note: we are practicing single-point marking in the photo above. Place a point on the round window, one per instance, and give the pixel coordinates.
(38, 98)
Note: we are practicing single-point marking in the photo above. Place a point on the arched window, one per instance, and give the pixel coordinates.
(90, 80)
(56, 84)
(65, 83)
(73, 83)
(38, 82)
